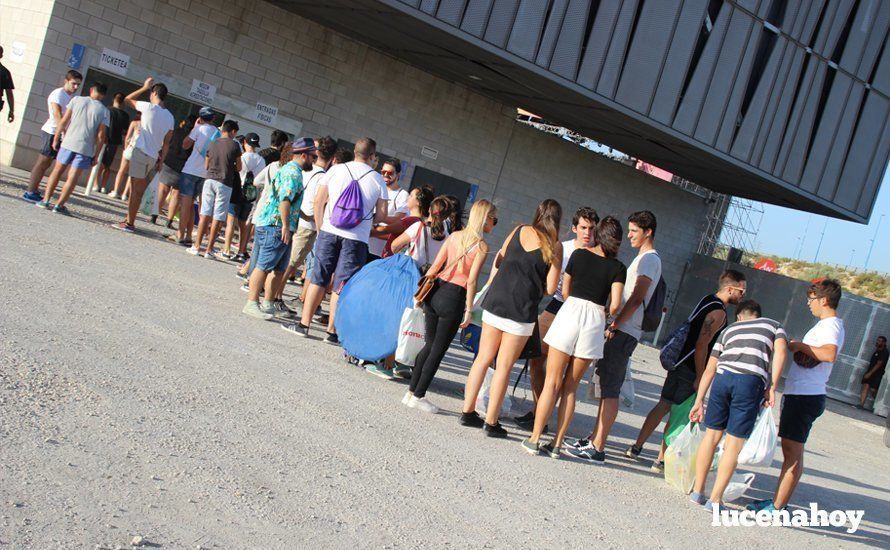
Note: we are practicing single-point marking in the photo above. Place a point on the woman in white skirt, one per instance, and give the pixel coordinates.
(593, 278)
(526, 268)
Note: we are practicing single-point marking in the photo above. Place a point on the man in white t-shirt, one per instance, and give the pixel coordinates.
(193, 172)
(304, 238)
(239, 208)
(85, 125)
(584, 227)
(340, 252)
(396, 206)
(803, 400)
(623, 334)
(56, 104)
(155, 129)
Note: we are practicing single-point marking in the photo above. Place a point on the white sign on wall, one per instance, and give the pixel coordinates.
(18, 52)
(202, 92)
(114, 62)
(266, 114)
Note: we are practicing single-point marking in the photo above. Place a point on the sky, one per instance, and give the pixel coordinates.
(794, 234)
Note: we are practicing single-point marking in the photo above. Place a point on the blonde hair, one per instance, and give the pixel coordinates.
(472, 233)
(546, 225)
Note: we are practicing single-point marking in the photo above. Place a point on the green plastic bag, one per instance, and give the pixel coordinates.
(679, 419)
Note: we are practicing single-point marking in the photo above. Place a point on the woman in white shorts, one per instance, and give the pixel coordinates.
(593, 278)
(526, 268)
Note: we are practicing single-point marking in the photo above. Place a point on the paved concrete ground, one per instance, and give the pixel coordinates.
(136, 400)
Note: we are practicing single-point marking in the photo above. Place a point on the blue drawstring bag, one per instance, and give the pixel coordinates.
(371, 304)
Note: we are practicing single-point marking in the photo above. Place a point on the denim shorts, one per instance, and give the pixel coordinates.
(70, 158)
(734, 403)
(336, 258)
(271, 254)
(240, 211)
(188, 184)
(799, 412)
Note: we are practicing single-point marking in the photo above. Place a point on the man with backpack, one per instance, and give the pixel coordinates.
(194, 171)
(694, 340)
(350, 198)
(622, 335)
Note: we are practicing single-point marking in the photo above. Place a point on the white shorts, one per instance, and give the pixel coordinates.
(215, 199)
(578, 329)
(507, 325)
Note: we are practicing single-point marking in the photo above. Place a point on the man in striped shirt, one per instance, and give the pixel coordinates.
(745, 367)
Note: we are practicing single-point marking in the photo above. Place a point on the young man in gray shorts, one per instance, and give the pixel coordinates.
(623, 334)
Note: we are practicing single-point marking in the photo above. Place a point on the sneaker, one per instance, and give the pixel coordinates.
(32, 197)
(267, 308)
(240, 258)
(193, 251)
(712, 506)
(579, 444)
(332, 339)
(422, 404)
(169, 224)
(298, 329)
(113, 195)
(227, 256)
(211, 256)
(406, 397)
(43, 204)
(698, 498)
(61, 209)
(124, 226)
(526, 421)
(657, 466)
(402, 371)
(380, 371)
(551, 451)
(471, 420)
(282, 310)
(253, 309)
(759, 505)
(245, 287)
(495, 430)
(633, 452)
(322, 319)
(125, 197)
(154, 219)
(531, 448)
(240, 276)
(588, 453)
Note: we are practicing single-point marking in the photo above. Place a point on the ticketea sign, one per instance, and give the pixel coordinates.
(114, 62)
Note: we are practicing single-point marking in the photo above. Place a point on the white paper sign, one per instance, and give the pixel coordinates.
(266, 114)
(18, 52)
(202, 92)
(114, 62)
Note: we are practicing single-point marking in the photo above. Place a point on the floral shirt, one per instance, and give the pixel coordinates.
(287, 185)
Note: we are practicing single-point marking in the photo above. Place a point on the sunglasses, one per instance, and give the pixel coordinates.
(494, 220)
(740, 289)
(387, 173)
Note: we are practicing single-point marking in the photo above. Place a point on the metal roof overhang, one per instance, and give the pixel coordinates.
(449, 53)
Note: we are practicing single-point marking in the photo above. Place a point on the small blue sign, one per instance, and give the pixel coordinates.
(474, 190)
(76, 57)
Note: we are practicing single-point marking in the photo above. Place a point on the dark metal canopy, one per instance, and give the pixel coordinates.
(781, 101)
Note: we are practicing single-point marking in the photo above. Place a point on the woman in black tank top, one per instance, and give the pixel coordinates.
(526, 268)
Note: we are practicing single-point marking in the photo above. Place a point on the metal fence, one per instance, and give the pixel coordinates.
(785, 300)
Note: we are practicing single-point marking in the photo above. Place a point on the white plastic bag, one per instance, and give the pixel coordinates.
(482, 400)
(679, 459)
(411, 336)
(149, 205)
(627, 390)
(738, 484)
(760, 447)
(593, 386)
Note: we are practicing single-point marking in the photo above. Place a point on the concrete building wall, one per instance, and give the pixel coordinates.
(254, 52)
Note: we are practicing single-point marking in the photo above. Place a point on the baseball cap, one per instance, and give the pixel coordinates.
(303, 145)
(252, 139)
(206, 113)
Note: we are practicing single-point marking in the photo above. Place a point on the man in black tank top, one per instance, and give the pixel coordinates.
(708, 321)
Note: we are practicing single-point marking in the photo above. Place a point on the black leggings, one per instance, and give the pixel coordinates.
(443, 312)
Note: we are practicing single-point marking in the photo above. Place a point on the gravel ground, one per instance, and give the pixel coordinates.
(137, 401)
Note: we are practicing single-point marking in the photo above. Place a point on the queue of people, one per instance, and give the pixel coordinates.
(318, 215)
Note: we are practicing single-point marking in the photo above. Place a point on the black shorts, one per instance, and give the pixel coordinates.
(553, 306)
(46, 149)
(241, 211)
(678, 385)
(612, 368)
(109, 154)
(798, 414)
(874, 380)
